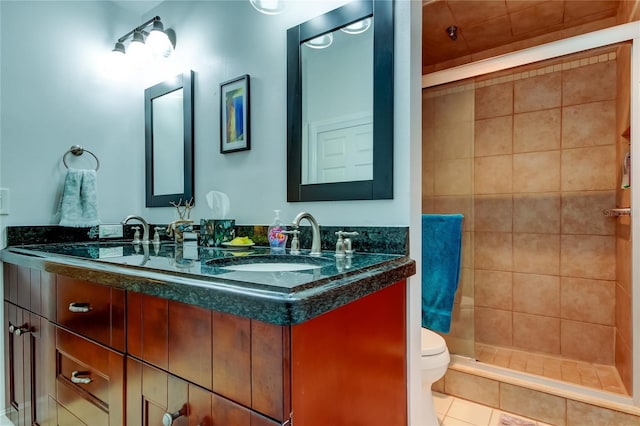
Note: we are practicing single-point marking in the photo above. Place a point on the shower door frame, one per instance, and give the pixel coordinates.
(629, 32)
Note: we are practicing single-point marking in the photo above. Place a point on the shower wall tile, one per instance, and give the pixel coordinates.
(587, 341)
(536, 253)
(536, 294)
(624, 362)
(494, 136)
(474, 388)
(537, 333)
(537, 131)
(536, 93)
(494, 289)
(586, 300)
(453, 205)
(453, 177)
(589, 169)
(453, 141)
(454, 108)
(467, 249)
(494, 101)
(596, 82)
(588, 256)
(537, 213)
(536, 172)
(623, 314)
(493, 326)
(493, 250)
(582, 212)
(493, 175)
(493, 213)
(589, 124)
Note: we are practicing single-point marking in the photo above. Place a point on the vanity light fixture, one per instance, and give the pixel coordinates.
(357, 27)
(157, 41)
(268, 7)
(321, 42)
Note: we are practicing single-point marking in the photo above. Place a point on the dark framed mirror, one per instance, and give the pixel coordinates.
(168, 117)
(340, 104)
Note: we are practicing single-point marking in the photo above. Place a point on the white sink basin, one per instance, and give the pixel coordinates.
(271, 267)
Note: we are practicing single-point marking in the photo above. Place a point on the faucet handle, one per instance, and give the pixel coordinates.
(136, 235)
(295, 242)
(348, 248)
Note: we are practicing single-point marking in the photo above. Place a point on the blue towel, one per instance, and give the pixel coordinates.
(441, 255)
(79, 202)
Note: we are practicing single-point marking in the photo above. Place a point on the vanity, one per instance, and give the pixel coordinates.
(114, 333)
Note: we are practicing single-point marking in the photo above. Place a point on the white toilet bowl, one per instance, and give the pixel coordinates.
(435, 360)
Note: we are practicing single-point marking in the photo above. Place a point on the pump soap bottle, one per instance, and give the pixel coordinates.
(276, 235)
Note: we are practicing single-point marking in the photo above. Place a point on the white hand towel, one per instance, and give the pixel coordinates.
(79, 203)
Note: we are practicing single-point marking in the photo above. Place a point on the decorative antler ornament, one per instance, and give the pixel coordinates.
(182, 210)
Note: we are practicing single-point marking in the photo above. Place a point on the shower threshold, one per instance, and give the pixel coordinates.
(595, 376)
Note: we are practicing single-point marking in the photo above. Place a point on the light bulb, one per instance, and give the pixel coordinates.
(268, 7)
(357, 27)
(320, 42)
(138, 52)
(159, 42)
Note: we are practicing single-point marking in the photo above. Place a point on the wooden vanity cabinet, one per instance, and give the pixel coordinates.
(28, 339)
(236, 358)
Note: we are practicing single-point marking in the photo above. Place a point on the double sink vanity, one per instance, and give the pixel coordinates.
(114, 333)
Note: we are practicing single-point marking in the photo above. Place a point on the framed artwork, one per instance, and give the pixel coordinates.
(235, 128)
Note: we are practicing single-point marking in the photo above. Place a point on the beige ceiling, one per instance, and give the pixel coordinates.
(485, 27)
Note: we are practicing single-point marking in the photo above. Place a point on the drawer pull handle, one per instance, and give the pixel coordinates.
(19, 331)
(75, 378)
(79, 307)
(168, 418)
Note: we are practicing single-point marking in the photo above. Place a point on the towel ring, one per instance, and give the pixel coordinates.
(77, 150)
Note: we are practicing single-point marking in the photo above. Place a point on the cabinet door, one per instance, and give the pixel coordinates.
(28, 362)
(154, 395)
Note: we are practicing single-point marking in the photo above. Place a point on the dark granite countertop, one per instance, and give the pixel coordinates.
(209, 277)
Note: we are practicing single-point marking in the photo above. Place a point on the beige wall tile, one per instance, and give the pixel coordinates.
(589, 124)
(596, 82)
(536, 93)
(454, 107)
(536, 332)
(453, 177)
(581, 414)
(493, 326)
(493, 250)
(493, 175)
(622, 315)
(537, 131)
(453, 141)
(536, 294)
(588, 256)
(589, 169)
(587, 342)
(588, 300)
(624, 362)
(494, 101)
(536, 172)
(494, 136)
(493, 213)
(493, 289)
(533, 404)
(537, 213)
(536, 253)
(473, 388)
(582, 212)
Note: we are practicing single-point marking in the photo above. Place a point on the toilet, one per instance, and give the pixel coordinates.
(434, 362)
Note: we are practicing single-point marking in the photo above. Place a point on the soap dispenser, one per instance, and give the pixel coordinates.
(276, 235)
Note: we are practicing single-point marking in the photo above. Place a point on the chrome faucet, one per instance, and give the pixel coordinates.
(145, 227)
(315, 242)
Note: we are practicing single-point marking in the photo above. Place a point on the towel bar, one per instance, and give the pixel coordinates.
(617, 212)
(77, 150)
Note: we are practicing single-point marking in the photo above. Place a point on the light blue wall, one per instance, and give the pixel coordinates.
(56, 93)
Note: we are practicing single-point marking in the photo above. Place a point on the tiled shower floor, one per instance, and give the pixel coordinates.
(597, 376)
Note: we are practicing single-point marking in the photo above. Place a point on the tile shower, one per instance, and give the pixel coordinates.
(531, 156)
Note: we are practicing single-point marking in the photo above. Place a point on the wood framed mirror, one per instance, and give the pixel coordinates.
(168, 111)
(340, 104)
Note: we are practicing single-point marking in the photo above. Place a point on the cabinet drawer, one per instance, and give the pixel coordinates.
(92, 310)
(89, 379)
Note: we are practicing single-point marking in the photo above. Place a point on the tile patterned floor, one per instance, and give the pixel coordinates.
(453, 411)
(597, 376)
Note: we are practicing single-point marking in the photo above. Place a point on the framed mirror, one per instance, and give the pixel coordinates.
(340, 104)
(168, 116)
